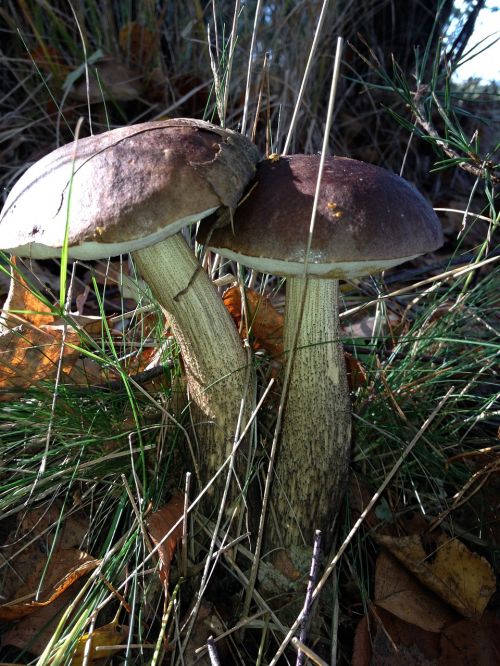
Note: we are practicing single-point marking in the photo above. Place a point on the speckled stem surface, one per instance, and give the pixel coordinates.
(211, 348)
(313, 455)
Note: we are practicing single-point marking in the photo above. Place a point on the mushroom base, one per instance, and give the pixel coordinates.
(215, 362)
(313, 455)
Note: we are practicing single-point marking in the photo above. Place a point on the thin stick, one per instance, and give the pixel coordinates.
(194, 503)
(184, 557)
(305, 78)
(357, 524)
(212, 652)
(249, 70)
(229, 70)
(313, 575)
(200, 650)
(86, 63)
(324, 150)
(453, 273)
(286, 378)
(304, 649)
(335, 624)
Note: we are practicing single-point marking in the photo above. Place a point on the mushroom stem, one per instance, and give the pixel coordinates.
(313, 456)
(211, 349)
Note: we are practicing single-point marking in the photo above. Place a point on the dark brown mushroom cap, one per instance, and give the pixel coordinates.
(368, 219)
(125, 189)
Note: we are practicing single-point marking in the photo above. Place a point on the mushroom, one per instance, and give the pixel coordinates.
(131, 190)
(368, 219)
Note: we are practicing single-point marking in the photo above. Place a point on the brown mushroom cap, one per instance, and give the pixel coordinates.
(368, 219)
(125, 189)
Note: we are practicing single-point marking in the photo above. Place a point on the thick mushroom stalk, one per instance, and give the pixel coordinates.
(211, 348)
(313, 456)
(367, 220)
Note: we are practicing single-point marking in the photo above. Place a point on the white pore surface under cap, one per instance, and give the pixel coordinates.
(338, 269)
(89, 250)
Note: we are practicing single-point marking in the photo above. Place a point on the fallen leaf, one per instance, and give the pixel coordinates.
(398, 643)
(362, 648)
(207, 624)
(29, 355)
(65, 567)
(47, 522)
(103, 642)
(33, 632)
(356, 375)
(32, 537)
(467, 642)
(265, 322)
(23, 303)
(159, 524)
(400, 593)
(460, 577)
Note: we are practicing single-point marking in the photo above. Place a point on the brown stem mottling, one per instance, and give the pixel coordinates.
(313, 456)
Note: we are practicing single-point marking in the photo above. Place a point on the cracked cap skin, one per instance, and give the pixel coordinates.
(125, 189)
(368, 219)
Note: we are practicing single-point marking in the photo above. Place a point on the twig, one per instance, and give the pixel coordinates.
(232, 44)
(453, 273)
(335, 624)
(184, 558)
(305, 78)
(361, 518)
(212, 652)
(288, 367)
(238, 438)
(249, 70)
(313, 575)
(316, 659)
(481, 171)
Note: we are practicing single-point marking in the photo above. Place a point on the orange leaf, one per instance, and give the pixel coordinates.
(266, 323)
(29, 354)
(159, 524)
(65, 567)
(25, 303)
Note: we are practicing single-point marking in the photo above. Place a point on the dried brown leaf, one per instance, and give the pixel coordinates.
(400, 593)
(32, 632)
(467, 642)
(265, 322)
(397, 643)
(159, 524)
(460, 577)
(356, 374)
